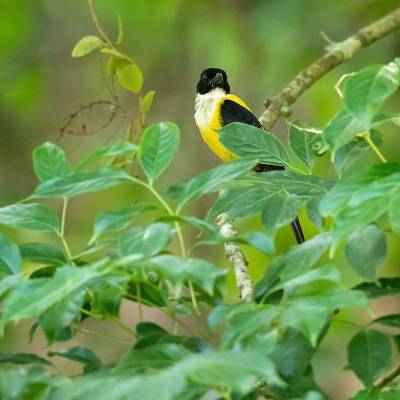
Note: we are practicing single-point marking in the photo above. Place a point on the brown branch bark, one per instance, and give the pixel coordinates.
(336, 54)
(389, 378)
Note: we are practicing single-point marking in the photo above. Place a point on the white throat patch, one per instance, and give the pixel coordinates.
(204, 106)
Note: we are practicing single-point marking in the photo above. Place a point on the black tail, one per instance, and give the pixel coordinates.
(298, 232)
(295, 225)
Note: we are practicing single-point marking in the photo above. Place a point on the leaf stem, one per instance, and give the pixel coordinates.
(170, 212)
(97, 24)
(116, 321)
(366, 136)
(193, 297)
(61, 235)
(139, 301)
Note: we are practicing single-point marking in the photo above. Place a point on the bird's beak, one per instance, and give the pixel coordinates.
(218, 78)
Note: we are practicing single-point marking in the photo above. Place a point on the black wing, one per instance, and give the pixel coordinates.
(234, 112)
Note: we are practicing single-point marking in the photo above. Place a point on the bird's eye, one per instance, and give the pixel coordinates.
(203, 77)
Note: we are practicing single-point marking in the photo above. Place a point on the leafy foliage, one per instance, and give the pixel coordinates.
(260, 348)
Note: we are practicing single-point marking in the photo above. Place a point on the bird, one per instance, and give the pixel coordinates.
(215, 107)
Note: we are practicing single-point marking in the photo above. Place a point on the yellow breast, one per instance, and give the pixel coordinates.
(208, 120)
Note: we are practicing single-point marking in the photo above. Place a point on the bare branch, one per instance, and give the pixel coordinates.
(236, 258)
(336, 54)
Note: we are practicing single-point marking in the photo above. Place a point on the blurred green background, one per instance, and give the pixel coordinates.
(262, 44)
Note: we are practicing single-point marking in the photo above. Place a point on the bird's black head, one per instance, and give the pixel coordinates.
(212, 78)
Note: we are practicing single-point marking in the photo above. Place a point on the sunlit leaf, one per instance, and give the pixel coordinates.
(49, 161)
(82, 182)
(157, 148)
(145, 242)
(35, 217)
(246, 140)
(209, 181)
(147, 100)
(129, 75)
(86, 45)
(304, 143)
(116, 220)
(116, 149)
(365, 91)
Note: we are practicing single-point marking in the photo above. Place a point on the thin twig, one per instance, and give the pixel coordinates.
(387, 379)
(236, 258)
(336, 54)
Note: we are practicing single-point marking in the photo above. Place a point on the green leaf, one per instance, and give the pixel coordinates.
(295, 262)
(389, 320)
(260, 241)
(106, 298)
(117, 220)
(365, 91)
(367, 394)
(61, 314)
(114, 150)
(303, 143)
(33, 297)
(366, 250)
(129, 75)
(35, 217)
(325, 273)
(24, 383)
(237, 370)
(147, 100)
(279, 211)
(292, 354)
(383, 287)
(340, 130)
(360, 199)
(310, 319)
(157, 148)
(394, 214)
(245, 322)
(246, 140)
(42, 253)
(22, 358)
(80, 354)
(82, 182)
(210, 181)
(332, 299)
(10, 258)
(249, 194)
(368, 354)
(86, 45)
(178, 271)
(346, 155)
(309, 312)
(49, 161)
(145, 242)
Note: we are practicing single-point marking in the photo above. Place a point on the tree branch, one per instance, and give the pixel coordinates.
(387, 379)
(236, 258)
(336, 54)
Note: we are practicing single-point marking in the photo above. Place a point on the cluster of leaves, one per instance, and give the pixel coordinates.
(262, 348)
